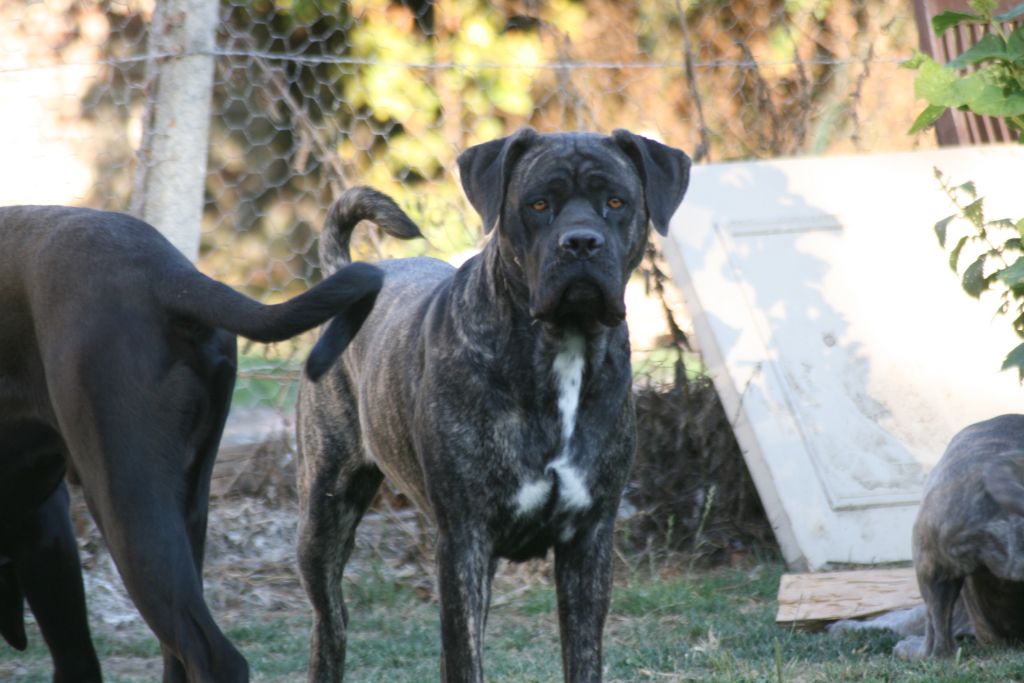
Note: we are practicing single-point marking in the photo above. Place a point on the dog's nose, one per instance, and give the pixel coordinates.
(581, 243)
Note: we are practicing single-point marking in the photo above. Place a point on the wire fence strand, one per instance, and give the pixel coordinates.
(311, 96)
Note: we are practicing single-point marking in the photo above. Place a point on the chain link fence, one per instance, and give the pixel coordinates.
(312, 96)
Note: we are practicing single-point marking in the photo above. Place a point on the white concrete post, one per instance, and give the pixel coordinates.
(171, 172)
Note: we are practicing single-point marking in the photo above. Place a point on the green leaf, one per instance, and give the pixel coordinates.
(1013, 243)
(973, 280)
(1015, 44)
(1015, 359)
(984, 92)
(975, 211)
(915, 61)
(949, 19)
(969, 188)
(983, 7)
(1010, 15)
(937, 84)
(954, 256)
(1013, 275)
(940, 229)
(1020, 227)
(989, 47)
(926, 118)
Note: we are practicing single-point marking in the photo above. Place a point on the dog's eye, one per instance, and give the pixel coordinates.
(615, 203)
(539, 205)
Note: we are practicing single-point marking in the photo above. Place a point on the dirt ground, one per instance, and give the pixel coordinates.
(250, 571)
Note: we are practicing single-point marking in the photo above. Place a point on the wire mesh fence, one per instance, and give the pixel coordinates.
(311, 96)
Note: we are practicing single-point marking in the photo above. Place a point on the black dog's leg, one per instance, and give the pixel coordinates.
(144, 526)
(218, 371)
(128, 430)
(940, 597)
(46, 564)
(465, 569)
(583, 576)
(327, 535)
(12, 605)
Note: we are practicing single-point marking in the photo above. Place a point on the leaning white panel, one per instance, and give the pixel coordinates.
(837, 336)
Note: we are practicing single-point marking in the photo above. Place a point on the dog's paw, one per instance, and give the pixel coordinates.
(909, 648)
(838, 628)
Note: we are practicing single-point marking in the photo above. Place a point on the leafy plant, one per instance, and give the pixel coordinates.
(999, 263)
(987, 79)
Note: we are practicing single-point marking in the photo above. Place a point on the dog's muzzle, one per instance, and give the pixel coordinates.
(577, 284)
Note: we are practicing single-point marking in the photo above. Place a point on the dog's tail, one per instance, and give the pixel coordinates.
(354, 205)
(345, 298)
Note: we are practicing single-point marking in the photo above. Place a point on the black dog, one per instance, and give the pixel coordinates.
(498, 396)
(117, 359)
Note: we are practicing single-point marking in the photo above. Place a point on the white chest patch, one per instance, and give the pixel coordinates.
(568, 367)
(572, 485)
(532, 496)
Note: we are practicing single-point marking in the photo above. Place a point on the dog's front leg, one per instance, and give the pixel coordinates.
(583, 573)
(940, 595)
(465, 569)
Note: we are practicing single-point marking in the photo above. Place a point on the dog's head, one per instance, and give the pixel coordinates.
(572, 212)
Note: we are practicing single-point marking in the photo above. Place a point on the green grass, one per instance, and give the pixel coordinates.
(658, 365)
(701, 626)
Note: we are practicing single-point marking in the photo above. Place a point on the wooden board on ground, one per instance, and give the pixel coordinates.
(812, 600)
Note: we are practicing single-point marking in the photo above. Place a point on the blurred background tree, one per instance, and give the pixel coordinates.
(315, 95)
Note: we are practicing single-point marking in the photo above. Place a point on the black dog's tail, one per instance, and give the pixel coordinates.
(193, 295)
(354, 205)
(345, 298)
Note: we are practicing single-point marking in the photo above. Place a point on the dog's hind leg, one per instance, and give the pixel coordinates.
(331, 509)
(143, 522)
(48, 571)
(217, 369)
(128, 427)
(336, 485)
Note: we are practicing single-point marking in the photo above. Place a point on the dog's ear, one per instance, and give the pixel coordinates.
(1003, 483)
(664, 170)
(485, 169)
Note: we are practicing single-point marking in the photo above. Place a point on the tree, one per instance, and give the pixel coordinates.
(992, 86)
